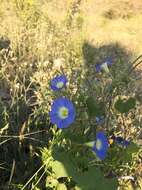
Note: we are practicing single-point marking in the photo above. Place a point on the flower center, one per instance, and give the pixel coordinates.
(104, 66)
(63, 112)
(60, 84)
(98, 144)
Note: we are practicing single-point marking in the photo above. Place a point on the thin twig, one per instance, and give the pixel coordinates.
(5, 141)
(35, 132)
(133, 67)
(127, 178)
(35, 174)
(39, 179)
(136, 59)
(12, 172)
(33, 139)
(9, 136)
(18, 136)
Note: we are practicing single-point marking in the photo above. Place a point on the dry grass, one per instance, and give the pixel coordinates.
(109, 21)
(105, 21)
(39, 36)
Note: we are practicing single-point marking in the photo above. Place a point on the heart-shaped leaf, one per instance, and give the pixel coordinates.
(65, 165)
(124, 104)
(94, 109)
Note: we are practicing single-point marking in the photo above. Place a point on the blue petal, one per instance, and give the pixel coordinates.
(56, 105)
(66, 122)
(126, 143)
(103, 151)
(120, 141)
(98, 67)
(64, 79)
(70, 106)
(59, 103)
(54, 81)
(109, 61)
(54, 118)
(62, 123)
(100, 153)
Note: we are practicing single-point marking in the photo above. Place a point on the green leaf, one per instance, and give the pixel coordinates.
(94, 109)
(124, 104)
(77, 138)
(64, 165)
(139, 97)
(94, 179)
(132, 148)
(77, 188)
(61, 186)
(59, 169)
(127, 154)
(89, 144)
(51, 182)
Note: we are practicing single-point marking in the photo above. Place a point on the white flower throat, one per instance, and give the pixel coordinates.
(63, 112)
(98, 144)
(104, 66)
(59, 84)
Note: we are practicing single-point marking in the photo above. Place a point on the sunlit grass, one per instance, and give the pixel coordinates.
(102, 30)
(42, 34)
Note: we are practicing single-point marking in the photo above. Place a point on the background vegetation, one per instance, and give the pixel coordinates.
(42, 38)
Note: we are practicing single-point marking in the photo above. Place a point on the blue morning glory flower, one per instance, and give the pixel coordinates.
(62, 113)
(100, 120)
(104, 66)
(58, 82)
(122, 142)
(98, 67)
(101, 145)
